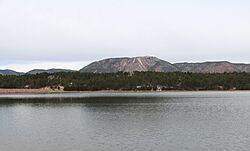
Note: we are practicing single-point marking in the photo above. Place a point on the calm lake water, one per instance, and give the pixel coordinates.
(172, 121)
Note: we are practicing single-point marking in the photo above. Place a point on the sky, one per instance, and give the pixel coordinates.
(72, 33)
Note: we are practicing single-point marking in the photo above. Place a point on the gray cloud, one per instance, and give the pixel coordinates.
(77, 30)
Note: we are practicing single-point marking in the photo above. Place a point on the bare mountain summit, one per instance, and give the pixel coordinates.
(126, 64)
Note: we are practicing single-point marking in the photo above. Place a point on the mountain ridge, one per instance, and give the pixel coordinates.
(146, 63)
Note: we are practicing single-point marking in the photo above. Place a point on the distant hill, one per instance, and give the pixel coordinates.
(10, 72)
(126, 64)
(149, 63)
(37, 71)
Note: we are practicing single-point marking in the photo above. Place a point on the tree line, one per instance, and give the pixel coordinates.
(76, 81)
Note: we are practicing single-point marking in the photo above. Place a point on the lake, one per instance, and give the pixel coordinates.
(172, 121)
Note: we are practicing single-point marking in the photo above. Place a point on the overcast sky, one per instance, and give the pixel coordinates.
(72, 33)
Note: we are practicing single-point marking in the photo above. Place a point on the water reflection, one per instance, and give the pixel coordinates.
(139, 122)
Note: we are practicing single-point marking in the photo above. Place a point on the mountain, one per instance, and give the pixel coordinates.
(126, 64)
(149, 63)
(37, 71)
(208, 67)
(213, 67)
(10, 72)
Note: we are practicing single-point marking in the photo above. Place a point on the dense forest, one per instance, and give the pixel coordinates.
(76, 81)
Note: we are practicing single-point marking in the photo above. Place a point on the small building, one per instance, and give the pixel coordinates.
(27, 86)
(159, 88)
(138, 87)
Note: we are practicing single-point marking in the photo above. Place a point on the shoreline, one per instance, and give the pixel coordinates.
(24, 91)
(50, 91)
